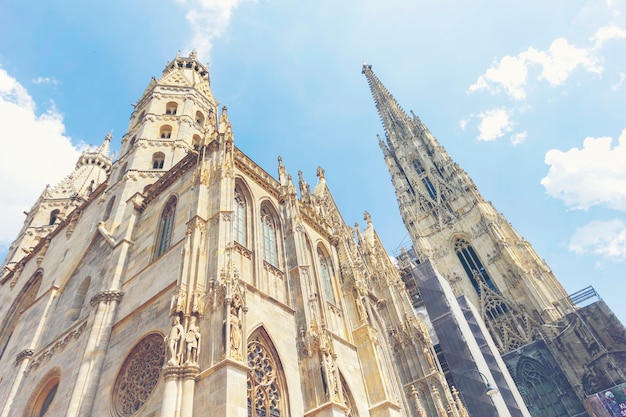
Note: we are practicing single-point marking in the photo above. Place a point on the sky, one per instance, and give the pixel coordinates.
(528, 97)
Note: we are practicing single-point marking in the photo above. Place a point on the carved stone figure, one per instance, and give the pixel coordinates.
(235, 328)
(174, 342)
(192, 341)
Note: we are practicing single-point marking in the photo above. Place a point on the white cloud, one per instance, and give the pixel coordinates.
(463, 123)
(35, 152)
(561, 60)
(593, 175)
(46, 80)
(510, 74)
(618, 84)
(494, 124)
(209, 20)
(519, 138)
(605, 238)
(606, 33)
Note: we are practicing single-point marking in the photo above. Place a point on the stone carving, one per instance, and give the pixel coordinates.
(192, 341)
(174, 342)
(139, 376)
(235, 327)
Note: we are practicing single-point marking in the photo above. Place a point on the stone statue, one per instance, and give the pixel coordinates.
(235, 328)
(192, 340)
(174, 342)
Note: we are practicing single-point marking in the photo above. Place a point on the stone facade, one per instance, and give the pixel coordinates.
(483, 258)
(183, 280)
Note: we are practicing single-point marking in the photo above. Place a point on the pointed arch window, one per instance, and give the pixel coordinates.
(23, 301)
(43, 395)
(108, 209)
(541, 391)
(472, 265)
(419, 168)
(326, 275)
(267, 395)
(269, 232)
(239, 217)
(421, 172)
(166, 227)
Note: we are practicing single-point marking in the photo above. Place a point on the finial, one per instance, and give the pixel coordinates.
(193, 54)
(367, 217)
(320, 173)
(178, 54)
(365, 67)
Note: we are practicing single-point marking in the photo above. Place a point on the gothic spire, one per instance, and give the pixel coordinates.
(394, 119)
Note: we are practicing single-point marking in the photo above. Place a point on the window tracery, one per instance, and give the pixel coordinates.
(166, 226)
(540, 389)
(270, 241)
(239, 217)
(266, 395)
(138, 376)
(326, 273)
(472, 265)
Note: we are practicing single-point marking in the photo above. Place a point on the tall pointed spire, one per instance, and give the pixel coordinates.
(451, 224)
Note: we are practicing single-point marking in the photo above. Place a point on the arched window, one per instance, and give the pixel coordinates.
(132, 142)
(542, 392)
(79, 299)
(108, 209)
(472, 265)
(267, 394)
(196, 142)
(25, 299)
(171, 107)
(43, 395)
(326, 275)
(157, 160)
(54, 214)
(199, 118)
(269, 232)
(166, 227)
(239, 217)
(419, 168)
(122, 171)
(165, 132)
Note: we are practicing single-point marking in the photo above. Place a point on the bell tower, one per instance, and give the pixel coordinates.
(172, 117)
(470, 243)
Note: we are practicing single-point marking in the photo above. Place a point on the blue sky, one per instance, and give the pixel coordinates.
(528, 97)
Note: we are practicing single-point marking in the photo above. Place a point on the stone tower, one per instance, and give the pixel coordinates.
(192, 282)
(484, 259)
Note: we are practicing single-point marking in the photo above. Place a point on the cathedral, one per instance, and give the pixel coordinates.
(182, 279)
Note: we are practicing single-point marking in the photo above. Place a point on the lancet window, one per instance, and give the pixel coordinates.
(541, 391)
(266, 386)
(326, 275)
(270, 233)
(472, 265)
(421, 172)
(239, 217)
(166, 227)
(24, 300)
(43, 395)
(53, 216)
